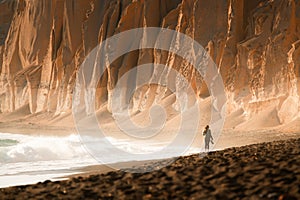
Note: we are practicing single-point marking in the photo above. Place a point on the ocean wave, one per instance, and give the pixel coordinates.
(8, 142)
(23, 148)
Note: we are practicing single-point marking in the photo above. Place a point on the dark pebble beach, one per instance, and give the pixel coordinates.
(260, 171)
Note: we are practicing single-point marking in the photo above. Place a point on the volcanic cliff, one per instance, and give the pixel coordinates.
(255, 44)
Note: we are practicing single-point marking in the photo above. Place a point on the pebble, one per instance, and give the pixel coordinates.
(260, 171)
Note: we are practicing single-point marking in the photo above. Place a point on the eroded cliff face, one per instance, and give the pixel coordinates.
(255, 44)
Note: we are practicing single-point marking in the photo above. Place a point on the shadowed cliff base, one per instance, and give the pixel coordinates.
(261, 171)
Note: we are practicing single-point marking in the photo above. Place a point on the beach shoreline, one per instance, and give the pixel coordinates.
(229, 138)
(264, 171)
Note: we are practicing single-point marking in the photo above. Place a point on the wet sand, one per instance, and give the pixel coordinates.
(260, 171)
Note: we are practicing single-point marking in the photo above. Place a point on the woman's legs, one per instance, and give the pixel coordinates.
(207, 145)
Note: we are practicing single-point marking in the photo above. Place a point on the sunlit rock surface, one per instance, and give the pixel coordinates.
(255, 44)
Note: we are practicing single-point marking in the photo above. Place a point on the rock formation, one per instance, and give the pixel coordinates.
(255, 44)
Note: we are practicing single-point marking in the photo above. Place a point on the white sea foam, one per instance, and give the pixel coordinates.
(22, 148)
(28, 159)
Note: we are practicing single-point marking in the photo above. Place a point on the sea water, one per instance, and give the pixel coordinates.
(26, 159)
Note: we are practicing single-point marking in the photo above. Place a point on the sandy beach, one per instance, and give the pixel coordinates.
(259, 171)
